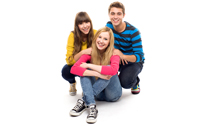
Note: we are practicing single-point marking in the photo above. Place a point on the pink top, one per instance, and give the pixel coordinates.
(111, 69)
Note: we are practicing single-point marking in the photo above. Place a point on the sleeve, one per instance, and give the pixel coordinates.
(137, 46)
(76, 69)
(112, 69)
(70, 49)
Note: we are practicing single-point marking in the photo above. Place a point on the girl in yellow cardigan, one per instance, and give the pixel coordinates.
(79, 43)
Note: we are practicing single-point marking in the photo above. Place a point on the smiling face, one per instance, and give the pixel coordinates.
(116, 16)
(102, 41)
(84, 27)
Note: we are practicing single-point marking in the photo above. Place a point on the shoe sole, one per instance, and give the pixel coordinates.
(76, 114)
(72, 93)
(91, 121)
(135, 92)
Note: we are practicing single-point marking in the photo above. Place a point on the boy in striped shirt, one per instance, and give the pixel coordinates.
(128, 45)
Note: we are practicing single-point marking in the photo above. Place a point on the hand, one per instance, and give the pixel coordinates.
(117, 52)
(124, 61)
(105, 77)
(84, 65)
(88, 51)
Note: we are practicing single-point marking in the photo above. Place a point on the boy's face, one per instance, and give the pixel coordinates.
(116, 16)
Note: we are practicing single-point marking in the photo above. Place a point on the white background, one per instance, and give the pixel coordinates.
(33, 38)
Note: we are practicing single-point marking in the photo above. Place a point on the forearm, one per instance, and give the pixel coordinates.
(78, 55)
(94, 67)
(91, 73)
(96, 74)
(130, 58)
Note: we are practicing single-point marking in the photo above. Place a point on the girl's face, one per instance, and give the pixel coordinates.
(84, 27)
(102, 41)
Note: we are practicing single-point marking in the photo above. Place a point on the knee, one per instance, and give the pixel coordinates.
(125, 85)
(114, 98)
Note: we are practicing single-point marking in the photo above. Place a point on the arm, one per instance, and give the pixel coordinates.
(70, 48)
(111, 69)
(86, 51)
(77, 69)
(96, 74)
(137, 51)
(130, 58)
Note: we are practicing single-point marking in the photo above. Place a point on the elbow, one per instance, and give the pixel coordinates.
(72, 70)
(114, 72)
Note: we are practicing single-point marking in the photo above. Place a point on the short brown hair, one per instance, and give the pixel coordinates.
(117, 5)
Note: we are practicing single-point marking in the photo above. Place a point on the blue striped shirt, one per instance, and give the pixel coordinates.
(129, 41)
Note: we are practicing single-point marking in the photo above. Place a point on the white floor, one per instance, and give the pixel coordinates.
(32, 53)
(46, 101)
(153, 106)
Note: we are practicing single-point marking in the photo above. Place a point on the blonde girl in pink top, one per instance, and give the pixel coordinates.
(99, 79)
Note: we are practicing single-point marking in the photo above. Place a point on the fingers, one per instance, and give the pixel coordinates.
(124, 62)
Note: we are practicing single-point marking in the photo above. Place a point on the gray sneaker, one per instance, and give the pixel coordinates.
(92, 116)
(78, 109)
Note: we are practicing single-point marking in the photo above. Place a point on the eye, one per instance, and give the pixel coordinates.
(119, 13)
(99, 36)
(105, 39)
(112, 13)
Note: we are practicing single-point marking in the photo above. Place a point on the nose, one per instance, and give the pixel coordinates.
(84, 24)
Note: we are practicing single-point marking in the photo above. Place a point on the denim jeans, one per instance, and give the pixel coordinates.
(100, 89)
(67, 75)
(129, 74)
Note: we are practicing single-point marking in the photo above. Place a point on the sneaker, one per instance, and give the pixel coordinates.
(78, 109)
(72, 90)
(92, 116)
(135, 90)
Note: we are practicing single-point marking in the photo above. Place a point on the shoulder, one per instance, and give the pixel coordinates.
(131, 28)
(94, 31)
(109, 24)
(71, 35)
(71, 39)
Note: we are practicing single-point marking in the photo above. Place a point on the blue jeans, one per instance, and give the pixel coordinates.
(67, 75)
(129, 74)
(100, 89)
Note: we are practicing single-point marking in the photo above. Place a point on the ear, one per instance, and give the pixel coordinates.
(123, 15)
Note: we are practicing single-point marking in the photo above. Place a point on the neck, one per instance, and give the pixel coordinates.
(121, 27)
(84, 37)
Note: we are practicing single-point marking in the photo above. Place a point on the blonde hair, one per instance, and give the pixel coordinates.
(117, 5)
(102, 58)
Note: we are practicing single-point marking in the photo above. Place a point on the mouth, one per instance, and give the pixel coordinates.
(115, 20)
(85, 29)
(100, 44)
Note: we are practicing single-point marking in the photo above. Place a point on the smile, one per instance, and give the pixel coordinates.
(100, 44)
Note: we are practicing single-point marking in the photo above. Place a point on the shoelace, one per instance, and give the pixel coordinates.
(92, 112)
(78, 106)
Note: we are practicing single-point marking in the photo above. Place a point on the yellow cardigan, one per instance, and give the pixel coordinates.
(70, 47)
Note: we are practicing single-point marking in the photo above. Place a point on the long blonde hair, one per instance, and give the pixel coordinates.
(80, 18)
(102, 58)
